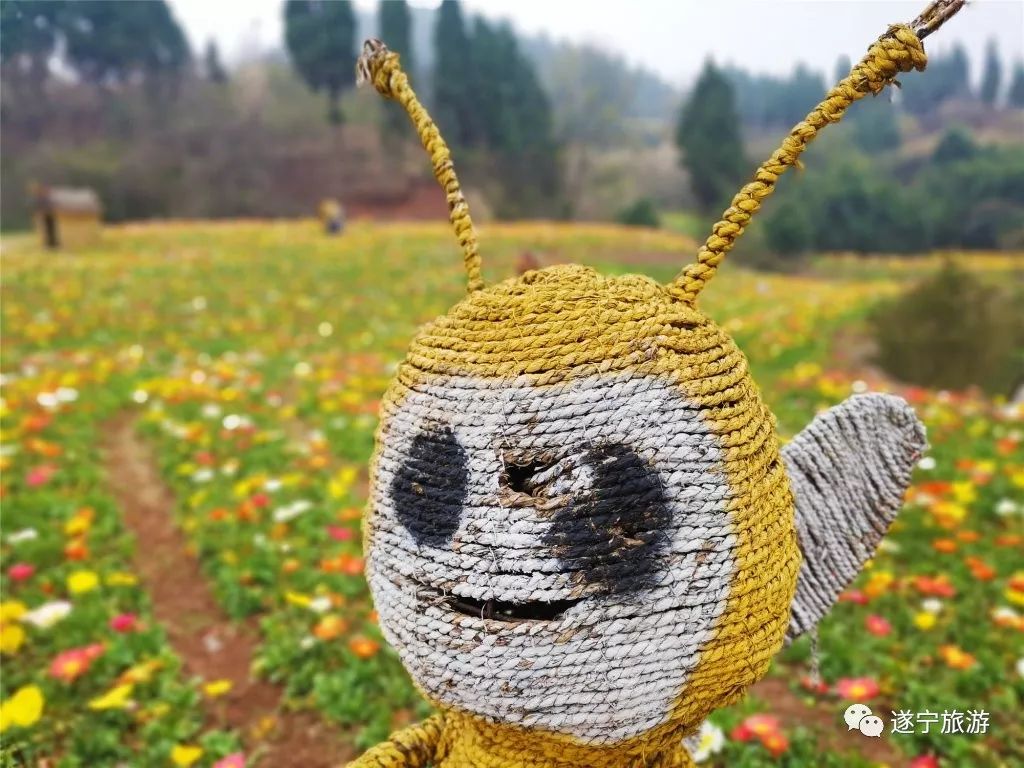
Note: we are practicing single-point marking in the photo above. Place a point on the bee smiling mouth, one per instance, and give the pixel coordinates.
(502, 610)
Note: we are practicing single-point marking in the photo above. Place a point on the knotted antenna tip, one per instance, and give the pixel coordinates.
(934, 16)
(373, 51)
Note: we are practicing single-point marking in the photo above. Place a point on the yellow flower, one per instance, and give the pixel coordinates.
(964, 492)
(122, 579)
(185, 754)
(216, 688)
(342, 483)
(11, 610)
(82, 581)
(23, 709)
(141, 672)
(115, 698)
(925, 620)
(11, 638)
(297, 598)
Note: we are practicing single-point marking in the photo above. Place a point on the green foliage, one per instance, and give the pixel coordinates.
(642, 213)
(30, 32)
(1015, 96)
(767, 101)
(454, 107)
(947, 77)
(321, 41)
(708, 136)
(955, 145)
(953, 331)
(993, 74)
(875, 125)
(116, 42)
(396, 31)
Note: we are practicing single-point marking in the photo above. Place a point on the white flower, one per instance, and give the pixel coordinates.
(1006, 507)
(931, 605)
(291, 511)
(1020, 667)
(927, 464)
(272, 484)
(307, 642)
(140, 396)
(47, 614)
(888, 545)
(1004, 613)
(320, 604)
(708, 741)
(211, 411)
(47, 400)
(25, 534)
(859, 386)
(203, 475)
(67, 394)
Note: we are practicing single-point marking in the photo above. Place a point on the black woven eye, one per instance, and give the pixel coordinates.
(430, 489)
(617, 531)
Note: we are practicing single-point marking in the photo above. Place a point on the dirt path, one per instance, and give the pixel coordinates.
(209, 643)
(833, 735)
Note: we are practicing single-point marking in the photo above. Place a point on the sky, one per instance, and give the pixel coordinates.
(670, 37)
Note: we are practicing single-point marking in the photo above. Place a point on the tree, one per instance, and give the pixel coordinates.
(321, 40)
(212, 66)
(993, 74)
(843, 67)
(454, 100)
(30, 32)
(946, 77)
(955, 145)
(874, 124)
(115, 43)
(396, 32)
(1015, 97)
(708, 136)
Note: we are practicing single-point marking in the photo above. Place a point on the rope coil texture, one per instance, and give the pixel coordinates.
(381, 67)
(581, 535)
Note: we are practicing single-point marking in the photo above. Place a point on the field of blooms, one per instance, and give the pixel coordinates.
(187, 416)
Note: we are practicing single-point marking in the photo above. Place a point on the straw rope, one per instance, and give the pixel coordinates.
(898, 50)
(381, 67)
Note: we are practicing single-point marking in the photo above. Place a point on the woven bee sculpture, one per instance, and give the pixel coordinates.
(582, 535)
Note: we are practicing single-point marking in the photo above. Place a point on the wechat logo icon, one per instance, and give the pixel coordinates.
(859, 716)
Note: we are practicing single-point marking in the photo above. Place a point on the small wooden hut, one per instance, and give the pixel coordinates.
(65, 217)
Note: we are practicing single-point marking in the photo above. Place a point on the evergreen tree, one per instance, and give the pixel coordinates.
(1015, 96)
(454, 100)
(874, 124)
(708, 136)
(212, 66)
(993, 74)
(29, 31)
(396, 32)
(111, 43)
(321, 40)
(843, 67)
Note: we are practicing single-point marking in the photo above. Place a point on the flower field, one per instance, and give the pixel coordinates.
(247, 361)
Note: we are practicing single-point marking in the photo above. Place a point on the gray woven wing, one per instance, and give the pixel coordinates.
(848, 469)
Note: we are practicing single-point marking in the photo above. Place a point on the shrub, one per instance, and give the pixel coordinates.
(642, 213)
(953, 331)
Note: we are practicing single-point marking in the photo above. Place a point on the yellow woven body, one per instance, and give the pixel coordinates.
(581, 536)
(568, 322)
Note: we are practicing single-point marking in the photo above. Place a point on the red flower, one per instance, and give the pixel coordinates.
(924, 761)
(853, 596)
(21, 571)
(259, 500)
(877, 626)
(818, 687)
(338, 533)
(72, 664)
(775, 742)
(40, 475)
(856, 688)
(124, 622)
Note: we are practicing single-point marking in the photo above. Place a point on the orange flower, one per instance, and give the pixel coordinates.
(364, 647)
(956, 658)
(938, 586)
(968, 536)
(776, 743)
(981, 570)
(76, 550)
(330, 627)
(946, 546)
(856, 688)
(72, 664)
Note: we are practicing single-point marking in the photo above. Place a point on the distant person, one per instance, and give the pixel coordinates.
(332, 214)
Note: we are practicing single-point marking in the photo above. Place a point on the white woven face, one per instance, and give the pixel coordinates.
(550, 556)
